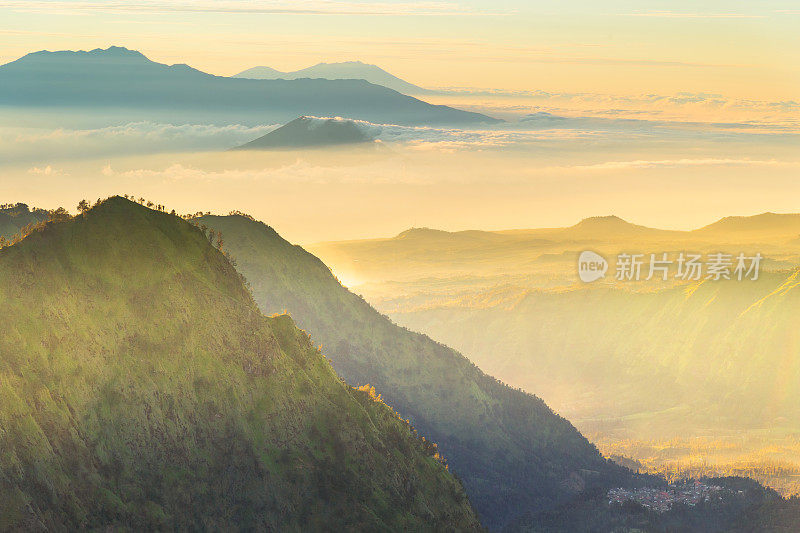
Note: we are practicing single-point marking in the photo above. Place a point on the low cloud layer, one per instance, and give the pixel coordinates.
(19, 145)
(538, 133)
(678, 106)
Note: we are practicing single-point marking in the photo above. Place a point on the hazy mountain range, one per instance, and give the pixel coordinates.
(624, 361)
(546, 257)
(117, 79)
(349, 70)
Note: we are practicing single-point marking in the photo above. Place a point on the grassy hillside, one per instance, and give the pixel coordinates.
(512, 452)
(142, 389)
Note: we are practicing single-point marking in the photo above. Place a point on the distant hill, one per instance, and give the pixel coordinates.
(350, 70)
(142, 389)
(425, 253)
(309, 132)
(428, 235)
(609, 223)
(14, 218)
(612, 228)
(513, 453)
(121, 79)
(765, 225)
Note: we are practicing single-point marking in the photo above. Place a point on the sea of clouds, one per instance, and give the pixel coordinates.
(533, 133)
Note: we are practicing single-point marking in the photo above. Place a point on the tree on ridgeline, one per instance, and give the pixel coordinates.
(59, 215)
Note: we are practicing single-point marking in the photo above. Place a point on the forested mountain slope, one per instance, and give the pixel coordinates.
(141, 388)
(512, 451)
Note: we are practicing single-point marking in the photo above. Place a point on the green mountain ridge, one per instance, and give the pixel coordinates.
(513, 453)
(142, 389)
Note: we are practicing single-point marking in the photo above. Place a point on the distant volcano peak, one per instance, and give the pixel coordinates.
(604, 222)
(307, 131)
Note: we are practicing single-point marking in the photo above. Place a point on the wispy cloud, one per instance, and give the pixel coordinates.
(300, 171)
(688, 103)
(47, 171)
(676, 163)
(575, 60)
(149, 130)
(27, 145)
(296, 7)
(678, 15)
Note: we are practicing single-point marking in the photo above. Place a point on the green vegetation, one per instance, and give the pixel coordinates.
(512, 452)
(142, 389)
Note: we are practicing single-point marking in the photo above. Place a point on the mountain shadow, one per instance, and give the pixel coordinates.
(513, 453)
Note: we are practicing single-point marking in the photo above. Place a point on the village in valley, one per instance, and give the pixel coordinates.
(661, 500)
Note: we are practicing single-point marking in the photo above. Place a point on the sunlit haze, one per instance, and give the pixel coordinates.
(400, 265)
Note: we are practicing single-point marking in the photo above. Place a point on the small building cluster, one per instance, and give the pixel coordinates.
(661, 500)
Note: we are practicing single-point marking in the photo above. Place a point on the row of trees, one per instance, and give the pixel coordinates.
(56, 215)
(84, 206)
(215, 237)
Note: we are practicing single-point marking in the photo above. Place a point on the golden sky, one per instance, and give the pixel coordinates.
(740, 49)
(712, 61)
